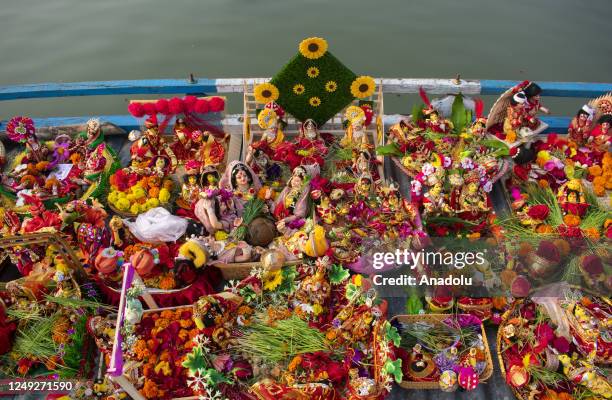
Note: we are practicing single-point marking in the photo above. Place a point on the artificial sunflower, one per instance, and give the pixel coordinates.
(272, 279)
(315, 101)
(312, 72)
(299, 89)
(265, 93)
(363, 86)
(313, 47)
(331, 86)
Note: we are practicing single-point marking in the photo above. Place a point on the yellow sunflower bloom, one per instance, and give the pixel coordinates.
(315, 101)
(363, 86)
(313, 47)
(272, 279)
(331, 86)
(299, 89)
(312, 72)
(265, 93)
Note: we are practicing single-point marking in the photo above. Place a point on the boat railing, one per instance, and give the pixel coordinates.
(201, 86)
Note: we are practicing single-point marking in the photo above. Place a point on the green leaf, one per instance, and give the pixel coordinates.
(458, 114)
(214, 377)
(195, 360)
(417, 112)
(390, 149)
(394, 368)
(338, 274)
(414, 304)
(392, 335)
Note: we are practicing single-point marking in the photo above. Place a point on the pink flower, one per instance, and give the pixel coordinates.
(561, 344)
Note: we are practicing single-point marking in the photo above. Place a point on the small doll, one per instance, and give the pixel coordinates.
(581, 125)
(478, 130)
(356, 130)
(309, 148)
(160, 166)
(403, 132)
(601, 137)
(433, 120)
(292, 203)
(182, 145)
(190, 190)
(271, 120)
(242, 182)
(516, 116)
(572, 199)
(532, 105)
(210, 151)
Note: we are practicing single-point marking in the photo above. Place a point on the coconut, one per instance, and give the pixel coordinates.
(261, 232)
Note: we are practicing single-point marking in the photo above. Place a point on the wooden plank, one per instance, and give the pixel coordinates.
(147, 86)
(236, 85)
(556, 89)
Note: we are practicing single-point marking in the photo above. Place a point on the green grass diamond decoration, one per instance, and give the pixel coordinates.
(295, 73)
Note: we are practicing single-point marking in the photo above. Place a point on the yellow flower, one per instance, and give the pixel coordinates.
(331, 86)
(164, 195)
(313, 47)
(363, 86)
(312, 72)
(315, 101)
(122, 204)
(266, 118)
(265, 93)
(317, 309)
(135, 208)
(272, 279)
(299, 89)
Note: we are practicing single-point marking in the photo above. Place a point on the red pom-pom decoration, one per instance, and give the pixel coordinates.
(201, 106)
(216, 104)
(149, 108)
(136, 110)
(189, 103)
(162, 106)
(176, 106)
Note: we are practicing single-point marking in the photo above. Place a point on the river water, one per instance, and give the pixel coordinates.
(82, 40)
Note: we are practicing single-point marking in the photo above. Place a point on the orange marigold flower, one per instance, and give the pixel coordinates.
(524, 249)
(592, 233)
(543, 183)
(571, 220)
(544, 229)
(595, 170)
(563, 246)
(167, 282)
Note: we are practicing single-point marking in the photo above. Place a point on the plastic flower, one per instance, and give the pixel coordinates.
(331, 86)
(299, 89)
(272, 280)
(363, 86)
(313, 48)
(312, 72)
(315, 101)
(265, 93)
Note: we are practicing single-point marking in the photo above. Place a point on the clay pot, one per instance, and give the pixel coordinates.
(143, 262)
(106, 261)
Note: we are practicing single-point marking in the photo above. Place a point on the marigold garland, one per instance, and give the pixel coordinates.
(313, 48)
(313, 72)
(363, 86)
(265, 93)
(299, 89)
(314, 101)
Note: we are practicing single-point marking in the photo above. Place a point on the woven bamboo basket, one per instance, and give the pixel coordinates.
(239, 271)
(486, 374)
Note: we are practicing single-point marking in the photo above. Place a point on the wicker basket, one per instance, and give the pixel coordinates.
(486, 374)
(239, 271)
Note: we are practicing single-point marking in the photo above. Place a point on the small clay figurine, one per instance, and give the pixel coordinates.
(581, 125)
